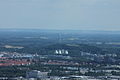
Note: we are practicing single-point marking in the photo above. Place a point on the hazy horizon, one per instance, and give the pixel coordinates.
(103, 15)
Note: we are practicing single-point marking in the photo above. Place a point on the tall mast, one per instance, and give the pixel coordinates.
(60, 39)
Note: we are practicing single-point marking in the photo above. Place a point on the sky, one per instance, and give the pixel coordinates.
(60, 14)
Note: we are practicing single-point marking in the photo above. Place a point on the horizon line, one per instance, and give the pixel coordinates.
(57, 29)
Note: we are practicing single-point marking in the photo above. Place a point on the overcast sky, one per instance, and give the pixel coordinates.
(60, 14)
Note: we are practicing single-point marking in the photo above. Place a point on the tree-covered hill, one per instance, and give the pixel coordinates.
(74, 49)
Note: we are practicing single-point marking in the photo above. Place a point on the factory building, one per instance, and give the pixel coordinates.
(36, 74)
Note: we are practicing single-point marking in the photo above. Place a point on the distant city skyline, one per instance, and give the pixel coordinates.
(60, 14)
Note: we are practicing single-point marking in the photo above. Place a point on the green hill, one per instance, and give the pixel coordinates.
(73, 49)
